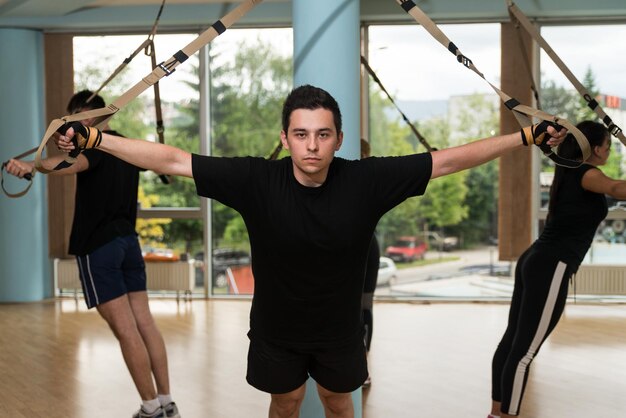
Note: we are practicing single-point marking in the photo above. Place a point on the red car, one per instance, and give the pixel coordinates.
(407, 249)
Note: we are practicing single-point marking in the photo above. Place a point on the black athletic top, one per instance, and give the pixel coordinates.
(577, 214)
(309, 245)
(106, 201)
(371, 268)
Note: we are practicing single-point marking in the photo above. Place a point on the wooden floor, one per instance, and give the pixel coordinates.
(428, 360)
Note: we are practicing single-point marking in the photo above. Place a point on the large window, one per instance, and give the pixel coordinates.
(595, 62)
(449, 105)
(248, 75)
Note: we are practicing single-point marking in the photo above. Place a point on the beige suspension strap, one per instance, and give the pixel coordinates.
(276, 152)
(522, 113)
(419, 136)
(166, 68)
(160, 128)
(523, 20)
(28, 177)
(526, 59)
(148, 47)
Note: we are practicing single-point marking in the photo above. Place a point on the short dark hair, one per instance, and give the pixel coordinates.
(310, 97)
(80, 101)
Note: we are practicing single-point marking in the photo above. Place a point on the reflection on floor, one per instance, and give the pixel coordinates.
(60, 360)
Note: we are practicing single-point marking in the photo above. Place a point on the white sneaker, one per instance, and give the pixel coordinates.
(159, 413)
(171, 410)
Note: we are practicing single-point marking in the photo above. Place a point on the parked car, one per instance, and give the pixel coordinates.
(406, 249)
(222, 259)
(438, 242)
(386, 271)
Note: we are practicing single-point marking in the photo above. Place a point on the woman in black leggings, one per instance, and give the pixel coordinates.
(577, 206)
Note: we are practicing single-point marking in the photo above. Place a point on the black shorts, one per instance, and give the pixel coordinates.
(277, 369)
(112, 270)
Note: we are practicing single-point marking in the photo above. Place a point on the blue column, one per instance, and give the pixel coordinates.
(327, 54)
(24, 264)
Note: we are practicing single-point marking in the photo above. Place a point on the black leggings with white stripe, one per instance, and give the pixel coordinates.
(539, 296)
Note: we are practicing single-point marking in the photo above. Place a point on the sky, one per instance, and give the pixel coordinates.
(408, 60)
(420, 67)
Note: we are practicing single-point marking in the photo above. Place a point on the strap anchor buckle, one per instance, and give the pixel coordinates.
(615, 130)
(464, 60)
(166, 68)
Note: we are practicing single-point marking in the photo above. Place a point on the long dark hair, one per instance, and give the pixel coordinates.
(596, 133)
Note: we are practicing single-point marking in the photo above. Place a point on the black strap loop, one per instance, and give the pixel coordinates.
(407, 5)
(219, 27)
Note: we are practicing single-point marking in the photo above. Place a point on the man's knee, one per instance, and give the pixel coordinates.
(337, 403)
(287, 404)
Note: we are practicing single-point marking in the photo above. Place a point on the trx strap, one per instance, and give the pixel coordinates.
(404, 117)
(147, 46)
(522, 113)
(160, 128)
(149, 49)
(274, 154)
(28, 176)
(166, 68)
(521, 18)
(529, 71)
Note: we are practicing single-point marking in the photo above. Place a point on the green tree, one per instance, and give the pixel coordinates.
(478, 116)
(181, 131)
(388, 137)
(568, 103)
(560, 101)
(584, 111)
(246, 97)
(443, 203)
(246, 100)
(129, 122)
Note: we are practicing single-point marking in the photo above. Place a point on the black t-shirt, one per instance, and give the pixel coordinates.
(106, 201)
(310, 244)
(577, 213)
(371, 268)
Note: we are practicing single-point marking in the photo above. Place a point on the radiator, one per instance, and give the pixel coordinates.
(594, 279)
(176, 276)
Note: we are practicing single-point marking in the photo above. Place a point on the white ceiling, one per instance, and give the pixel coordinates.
(129, 15)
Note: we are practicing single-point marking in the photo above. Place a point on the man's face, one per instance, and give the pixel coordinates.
(312, 140)
(86, 122)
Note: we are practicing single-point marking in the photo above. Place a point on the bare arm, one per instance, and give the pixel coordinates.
(452, 160)
(160, 158)
(596, 181)
(20, 168)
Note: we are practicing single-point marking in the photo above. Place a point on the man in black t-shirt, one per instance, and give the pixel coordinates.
(310, 217)
(110, 263)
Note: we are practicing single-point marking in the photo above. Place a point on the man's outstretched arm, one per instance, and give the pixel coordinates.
(452, 160)
(157, 157)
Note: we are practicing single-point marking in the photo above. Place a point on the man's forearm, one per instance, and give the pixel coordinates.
(160, 158)
(452, 160)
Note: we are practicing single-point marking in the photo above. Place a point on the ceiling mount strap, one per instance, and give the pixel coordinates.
(102, 115)
(524, 114)
(147, 46)
(419, 136)
(532, 30)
